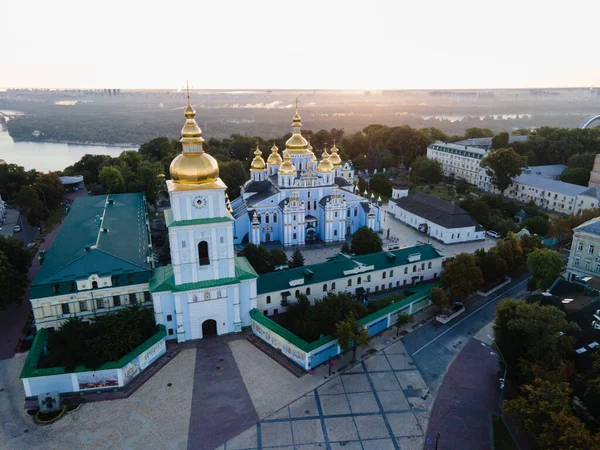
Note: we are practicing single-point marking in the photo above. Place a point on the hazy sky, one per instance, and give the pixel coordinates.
(300, 44)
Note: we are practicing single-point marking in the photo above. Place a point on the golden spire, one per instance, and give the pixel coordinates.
(193, 166)
(287, 168)
(335, 158)
(274, 158)
(258, 164)
(297, 144)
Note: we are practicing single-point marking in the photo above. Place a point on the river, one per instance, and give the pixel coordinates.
(48, 156)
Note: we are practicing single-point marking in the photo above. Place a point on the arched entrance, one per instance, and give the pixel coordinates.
(348, 231)
(268, 237)
(209, 328)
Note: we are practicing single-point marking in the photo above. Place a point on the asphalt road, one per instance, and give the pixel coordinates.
(434, 346)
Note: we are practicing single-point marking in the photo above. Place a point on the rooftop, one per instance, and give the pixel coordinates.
(591, 226)
(551, 171)
(436, 210)
(592, 191)
(103, 235)
(549, 184)
(486, 142)
(336, 267)
(459, 148)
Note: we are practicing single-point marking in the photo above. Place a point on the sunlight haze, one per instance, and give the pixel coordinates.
(300, 45)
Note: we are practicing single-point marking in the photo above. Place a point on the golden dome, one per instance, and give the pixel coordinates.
(335, 158)
(325, 165)
(296, 144)
(313, 158)
(193, 166)
(258, 163)
(310, 148)
(287, 168)
(274, 157)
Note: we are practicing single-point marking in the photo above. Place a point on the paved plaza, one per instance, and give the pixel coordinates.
(381, 403)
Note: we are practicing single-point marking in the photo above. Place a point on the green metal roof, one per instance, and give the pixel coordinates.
(171, 222)
(336, 266)
(82, 247)
(164, 280)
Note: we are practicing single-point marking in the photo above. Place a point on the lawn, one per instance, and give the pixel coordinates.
(502, 438)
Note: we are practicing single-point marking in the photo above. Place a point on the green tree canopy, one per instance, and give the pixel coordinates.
(364, 241)
(350, 333)
(462, 276)
(439, 298)
(31, 206)
(503, 165)
(258, 256)
(493, 267)
(381, 184)
(476, 132)
(427, 170)
(112, 180)
(278, 257)
(577, 175)
(297, 258)
(537, 225)
(12, 282)
(545, 266)
(500, 140)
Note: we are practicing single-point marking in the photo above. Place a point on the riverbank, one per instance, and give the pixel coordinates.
(97, 144)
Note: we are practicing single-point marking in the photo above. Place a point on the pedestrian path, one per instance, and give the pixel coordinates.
(380, 403)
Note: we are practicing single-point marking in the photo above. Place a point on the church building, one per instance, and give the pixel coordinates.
(297, 199)
(206, 290)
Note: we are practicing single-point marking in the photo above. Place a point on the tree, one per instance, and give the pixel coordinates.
(30, 205)
(476, 132)
(278, 257)
(500, 140)
(462, 276)
(528, 333)
(545, 266)
(493, 267)
(380, 183)
(12, 282)
(529, 243)
(112, 180)
(164, 255)
(51, 189)
(537, 225)
(18, 255)
(522, 132)
(439, 298)
(401, 320)
(297, 258)
(258, 256)
(510, 250)
(363, 185)
(503, 165)
(234, 175)
(345, 248)
(427, 170)
(149, 177)
(364, 241)
(576, 175)
(351, 334)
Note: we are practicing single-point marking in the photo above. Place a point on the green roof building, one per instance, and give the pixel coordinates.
(101, 260)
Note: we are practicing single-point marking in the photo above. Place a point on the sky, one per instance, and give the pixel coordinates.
(299, 44)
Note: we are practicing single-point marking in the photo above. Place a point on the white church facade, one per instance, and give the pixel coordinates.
(297, 199)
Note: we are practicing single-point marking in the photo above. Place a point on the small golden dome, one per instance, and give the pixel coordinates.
(193, 166)
(335, 158)
(258, 164)
(287, 168)
(325, 165)
(313, 158)
(274, 157)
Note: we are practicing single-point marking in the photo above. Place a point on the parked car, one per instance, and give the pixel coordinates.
(17, 228)
(493, 234)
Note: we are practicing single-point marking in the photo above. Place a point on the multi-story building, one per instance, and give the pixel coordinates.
(458, 161)
(100, 261)
(584, 257)
(366, 274)
(298, 199)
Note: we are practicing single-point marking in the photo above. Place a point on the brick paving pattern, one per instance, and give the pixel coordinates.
(381, 403)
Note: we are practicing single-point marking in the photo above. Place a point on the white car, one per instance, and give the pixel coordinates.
(493, 234)
(17, 228)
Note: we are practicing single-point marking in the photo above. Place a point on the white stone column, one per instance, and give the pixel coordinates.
(237, 321)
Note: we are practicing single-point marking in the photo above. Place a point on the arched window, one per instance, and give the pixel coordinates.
(325, 287)
(368, 278)
(274, 217)
(391, 273)
(429, 265)
(415, 268)
(94, 285)
(422, 266)
(307, 291)
(384, 275)
(297, 293)
(333, 286)
(203, 254)
(335, 232)
(266, 217)
(350, 282)
(268, 299)
(358, 280)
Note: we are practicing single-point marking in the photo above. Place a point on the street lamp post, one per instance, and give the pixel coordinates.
(43, 196)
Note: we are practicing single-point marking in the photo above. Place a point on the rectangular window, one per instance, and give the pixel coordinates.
(294, 236)
(82, 306)
(266, 312)
(147, 296)
(588, 264)
(576, 263)
(116, 300)
(222, 239)
(591, 250)
(71, 286)
(99, 303)
(132, 299)
(266, 220)
(274, 218)
(170, 331)
(275, 311)
(56, 288)
(405, 270)
(580, 246)
(65, 308)
(169, 318)
(116, 280)
(182, 244)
